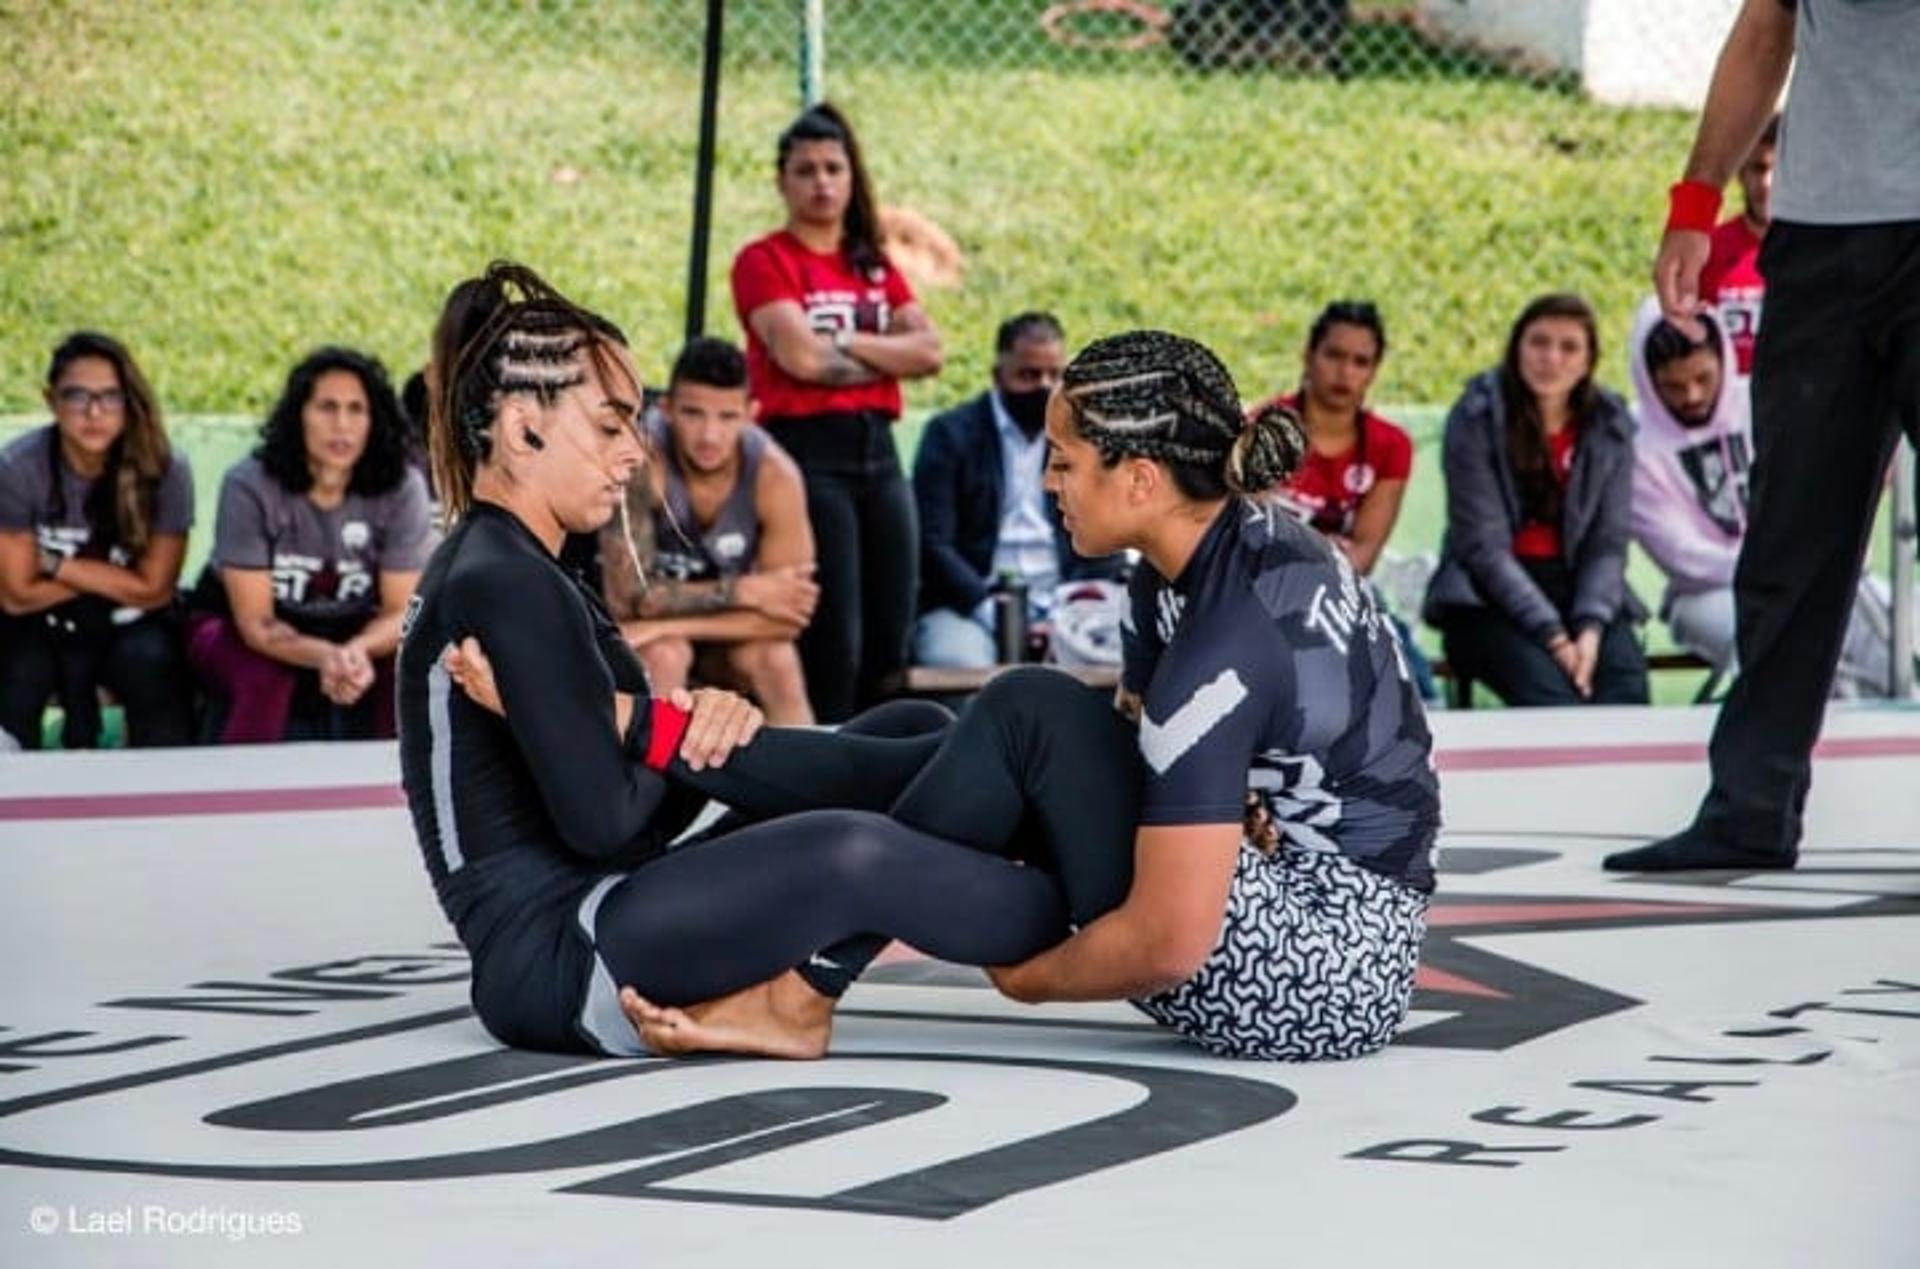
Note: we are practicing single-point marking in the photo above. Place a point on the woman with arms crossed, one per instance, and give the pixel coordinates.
(832, 328)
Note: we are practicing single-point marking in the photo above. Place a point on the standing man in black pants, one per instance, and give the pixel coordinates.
(1836, 379)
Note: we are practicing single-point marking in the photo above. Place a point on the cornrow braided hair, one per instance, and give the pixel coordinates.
(504, 332)
(1151, 394)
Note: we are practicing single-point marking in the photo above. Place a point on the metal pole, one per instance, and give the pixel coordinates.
(1901, 555)
(813, 53)
(703, 171)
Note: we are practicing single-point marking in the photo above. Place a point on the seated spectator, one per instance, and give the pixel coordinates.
(1355, 474)
(94, 513)
(1731, 279)
(1531, 594)
(985, 519)
(318, 542)
(724, 583)
(1692, 455)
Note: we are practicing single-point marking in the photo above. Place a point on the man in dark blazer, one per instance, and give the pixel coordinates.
(984, 515)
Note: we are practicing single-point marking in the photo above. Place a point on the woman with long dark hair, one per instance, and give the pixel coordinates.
(94, 513)
(832, 328)
(1531, 593)
(1251, 865)
(1355, 474)
(318, 543)
(547, 802)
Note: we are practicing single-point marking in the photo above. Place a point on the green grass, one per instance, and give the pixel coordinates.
(226, 185)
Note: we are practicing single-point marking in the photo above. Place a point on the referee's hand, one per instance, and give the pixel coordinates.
(1676, 279)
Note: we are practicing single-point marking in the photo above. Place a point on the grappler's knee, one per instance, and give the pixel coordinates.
(1036, 691)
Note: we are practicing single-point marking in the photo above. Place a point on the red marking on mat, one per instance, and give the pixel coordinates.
(1518, 759)
(1523, 913)
(361, 797)
(107, 806)
(1427, 978)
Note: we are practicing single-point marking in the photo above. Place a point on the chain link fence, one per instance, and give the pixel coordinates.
(226, 184)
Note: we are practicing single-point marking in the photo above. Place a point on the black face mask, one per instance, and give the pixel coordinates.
(1028, 410)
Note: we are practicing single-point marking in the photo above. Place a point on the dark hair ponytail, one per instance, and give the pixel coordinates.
(1150, 394)
(860, 237)
(1267, 451)
(1361, 313)
(505, 331)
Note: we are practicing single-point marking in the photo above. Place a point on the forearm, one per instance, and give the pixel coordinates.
(1744, 93)
(738, 625)
(1113, 958)
(121, 585)
(278, 641)
(1599, 588)
(909, 355)
(36, 595)
(379, 637)
(668, 598)
(1509, 588)
(816, 360)
(1362, 553)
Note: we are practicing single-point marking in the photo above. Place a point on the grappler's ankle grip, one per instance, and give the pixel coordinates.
(1692, 205)
(666, 724)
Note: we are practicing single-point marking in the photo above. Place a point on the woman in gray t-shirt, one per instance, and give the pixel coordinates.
(94, 512)
(319, 540)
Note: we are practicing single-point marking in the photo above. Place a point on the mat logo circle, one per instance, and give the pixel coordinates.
(314, 1132)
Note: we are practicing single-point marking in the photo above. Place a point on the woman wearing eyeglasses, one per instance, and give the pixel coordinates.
(94, 512)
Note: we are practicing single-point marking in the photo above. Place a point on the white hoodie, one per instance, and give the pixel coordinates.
(1690, 483)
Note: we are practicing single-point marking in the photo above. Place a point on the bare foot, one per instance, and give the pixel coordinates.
(783, 1018)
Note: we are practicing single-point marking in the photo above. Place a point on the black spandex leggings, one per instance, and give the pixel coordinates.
(752, 899)
(1038, 769)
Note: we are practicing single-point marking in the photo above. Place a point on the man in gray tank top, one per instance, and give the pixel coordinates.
(1836, 379)
(710, 570)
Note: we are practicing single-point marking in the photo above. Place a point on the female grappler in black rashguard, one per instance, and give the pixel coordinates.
(545, 830)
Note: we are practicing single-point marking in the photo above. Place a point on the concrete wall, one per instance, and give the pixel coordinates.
(1626, 52)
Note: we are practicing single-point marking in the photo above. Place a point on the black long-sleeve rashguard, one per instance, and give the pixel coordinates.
(546, 833)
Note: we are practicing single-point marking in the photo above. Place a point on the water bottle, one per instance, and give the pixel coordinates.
(1010, 619)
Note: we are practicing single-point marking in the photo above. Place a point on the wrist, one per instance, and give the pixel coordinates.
(843, 341)
(50, 563)
(1692, 206)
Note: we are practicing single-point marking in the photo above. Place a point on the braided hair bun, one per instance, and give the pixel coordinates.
(1267, 451)
(1152, 394)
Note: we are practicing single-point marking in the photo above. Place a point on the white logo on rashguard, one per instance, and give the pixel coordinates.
(1162, 744)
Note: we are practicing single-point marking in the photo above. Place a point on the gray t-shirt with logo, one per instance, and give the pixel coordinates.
(1850, 141)
(326, 563)
(55, 512)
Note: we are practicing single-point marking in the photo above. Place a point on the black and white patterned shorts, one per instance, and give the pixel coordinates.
(1315, 961)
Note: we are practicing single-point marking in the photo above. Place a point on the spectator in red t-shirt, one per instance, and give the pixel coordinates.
(1731, 277)
(1355, 473)
(1531, 594)
(832, 327)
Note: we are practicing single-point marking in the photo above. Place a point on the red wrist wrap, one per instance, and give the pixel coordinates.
(665, 726)
(1693, 205)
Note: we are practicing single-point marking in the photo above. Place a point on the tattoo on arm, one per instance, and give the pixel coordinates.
(840, 369)
(673, 597)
